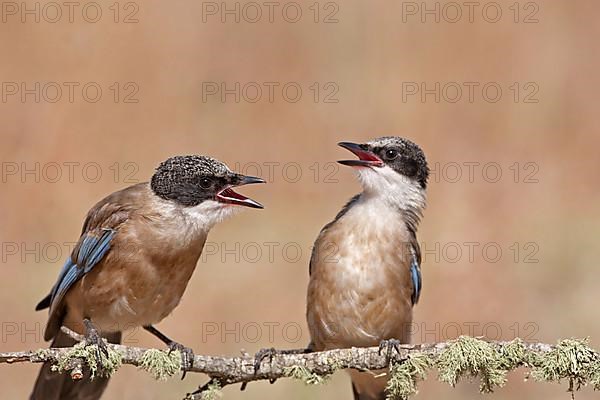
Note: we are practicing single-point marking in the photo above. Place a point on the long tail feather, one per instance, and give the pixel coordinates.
(51, 385)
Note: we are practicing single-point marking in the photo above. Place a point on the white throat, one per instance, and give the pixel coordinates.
(210, 212)
(197, 219)
(393, 189)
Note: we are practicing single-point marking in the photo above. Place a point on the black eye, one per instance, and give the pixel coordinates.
(205, 183)
(391, 154)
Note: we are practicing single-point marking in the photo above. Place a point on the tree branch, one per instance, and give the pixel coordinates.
(464, 356)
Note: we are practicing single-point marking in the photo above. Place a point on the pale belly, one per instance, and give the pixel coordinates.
(347, 317)
(129, 311)
(360, 294)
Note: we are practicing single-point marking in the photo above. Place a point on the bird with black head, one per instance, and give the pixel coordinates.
(136, 253)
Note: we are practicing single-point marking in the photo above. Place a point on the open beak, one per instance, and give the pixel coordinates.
(229, 196)
(366, 158)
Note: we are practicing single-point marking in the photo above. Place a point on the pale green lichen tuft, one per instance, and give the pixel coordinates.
(42, 354)
(472, 357)
(161, 364)
(595, 375)
(212, 392)
(104, 367)
(404, 376)
(513, 354)
(570, 359)
(334, 363)
(303, 374)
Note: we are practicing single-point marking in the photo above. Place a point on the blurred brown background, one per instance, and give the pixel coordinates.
(541, 135)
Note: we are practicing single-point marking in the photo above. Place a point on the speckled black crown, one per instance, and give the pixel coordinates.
(411, 161)
(183, 178)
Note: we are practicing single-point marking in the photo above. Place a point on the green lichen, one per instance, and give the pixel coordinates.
(513, 354)
(213, 392)
(570, 359)
(41, 354)
(595, 375)
(471, 357)
(161, 364)
(303, 374)
(404, 376)
(334, 364)
(104, 367)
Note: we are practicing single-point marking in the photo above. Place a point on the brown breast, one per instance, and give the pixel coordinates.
(360, 286)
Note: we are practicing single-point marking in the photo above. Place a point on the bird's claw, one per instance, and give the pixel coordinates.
(261, 355)
(187, 356)
(389, 345)
(92, 337)
(270, 353)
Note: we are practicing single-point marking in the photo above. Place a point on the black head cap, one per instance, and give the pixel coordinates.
(190, 180)
(403, 156)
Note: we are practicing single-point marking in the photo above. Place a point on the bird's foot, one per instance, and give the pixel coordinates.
(390, 346)
(92, 337)
(187, 356)
(261, 355)
(270, 353)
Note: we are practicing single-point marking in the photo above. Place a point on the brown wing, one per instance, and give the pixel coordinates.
(100, 226)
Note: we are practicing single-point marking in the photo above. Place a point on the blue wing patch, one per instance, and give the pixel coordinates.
(415, 273)
(90, 252)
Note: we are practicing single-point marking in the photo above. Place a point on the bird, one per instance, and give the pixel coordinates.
(130, 267)
(365, 267)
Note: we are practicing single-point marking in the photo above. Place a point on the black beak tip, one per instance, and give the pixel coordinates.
(249, 180)
(347, 145)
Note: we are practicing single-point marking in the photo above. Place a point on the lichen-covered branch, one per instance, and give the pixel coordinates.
(571, 360)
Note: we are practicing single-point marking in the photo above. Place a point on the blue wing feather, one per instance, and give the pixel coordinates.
(68, 276)
(91, 251)
(97, 250)
(415, 273)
